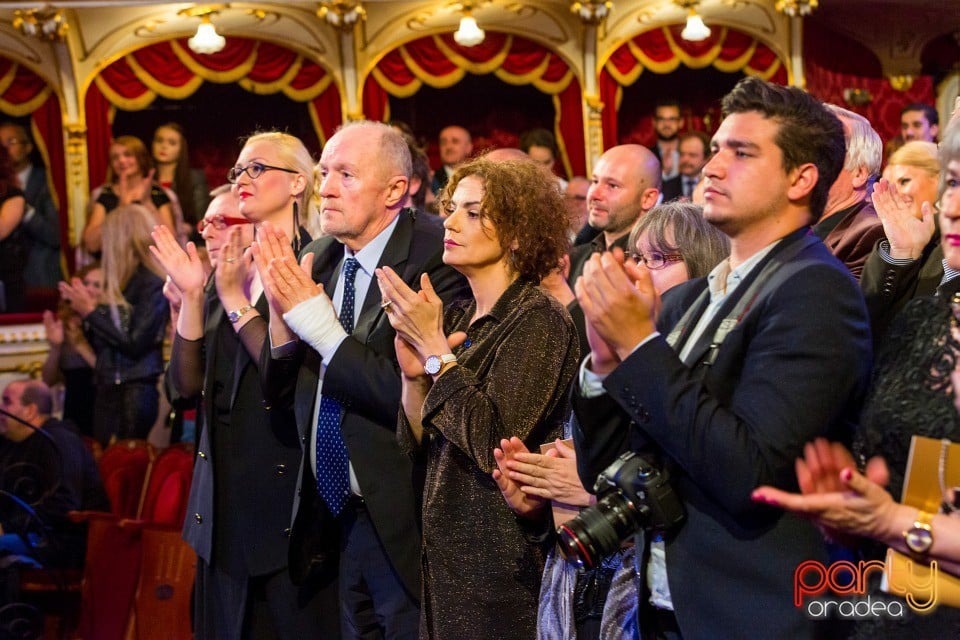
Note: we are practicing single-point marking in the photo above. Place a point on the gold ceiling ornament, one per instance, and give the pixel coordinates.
(45, 23)
(342, 14)
(794, 8)
(592, 11)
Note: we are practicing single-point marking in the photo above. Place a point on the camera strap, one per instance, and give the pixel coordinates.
(745, 302)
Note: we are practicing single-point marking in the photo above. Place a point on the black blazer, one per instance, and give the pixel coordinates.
(364, 377)
(672, 188)
(795, 367)
(43, 231)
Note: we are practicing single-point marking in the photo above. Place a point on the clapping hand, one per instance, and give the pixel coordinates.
(285, 283)
(184, 268)
(53, 327)
(907, 233)
(75, 293)
(523, 504)
(416, 316)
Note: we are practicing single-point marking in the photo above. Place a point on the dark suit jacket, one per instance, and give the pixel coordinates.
(795, 367)
(363, 376)
(888, 288)
(854, 237)
(244, 475)
(43, 232)
(672, 188)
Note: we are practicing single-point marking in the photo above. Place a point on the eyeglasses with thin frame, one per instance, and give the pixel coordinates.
(220, 222)
(254, 170)
(654, 259)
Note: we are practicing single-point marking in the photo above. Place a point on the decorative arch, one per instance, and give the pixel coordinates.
(25, 93)
(171, 70)
(440, 62)
(662, 50)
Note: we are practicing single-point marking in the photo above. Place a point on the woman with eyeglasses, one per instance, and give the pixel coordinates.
(674, 243)
(248, 453)
(130, 180)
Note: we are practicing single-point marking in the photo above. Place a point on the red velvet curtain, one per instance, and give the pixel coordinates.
(440, 62)
(662, 50)
(23, 92)
(834, 63)
(171, 70)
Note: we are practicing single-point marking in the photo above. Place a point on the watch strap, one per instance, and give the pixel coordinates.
(235, 316)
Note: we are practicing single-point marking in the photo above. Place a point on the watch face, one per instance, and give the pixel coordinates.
(432, 365)
(919, 539)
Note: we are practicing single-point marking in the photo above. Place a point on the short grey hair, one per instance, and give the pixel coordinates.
(864, 146)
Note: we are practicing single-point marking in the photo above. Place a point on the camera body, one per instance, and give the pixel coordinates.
(632, 494)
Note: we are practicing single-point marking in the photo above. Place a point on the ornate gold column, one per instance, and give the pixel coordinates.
(345, 15)
(593, 15)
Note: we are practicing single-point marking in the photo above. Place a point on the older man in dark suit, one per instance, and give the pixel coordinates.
(768, 352)
(355, 481)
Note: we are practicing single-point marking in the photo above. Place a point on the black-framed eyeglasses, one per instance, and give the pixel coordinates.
(220, 222)
(654, 259)
(254, 170)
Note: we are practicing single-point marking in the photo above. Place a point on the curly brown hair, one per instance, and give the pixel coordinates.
(524, 205)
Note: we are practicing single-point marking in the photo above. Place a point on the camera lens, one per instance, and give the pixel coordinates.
(598, 531)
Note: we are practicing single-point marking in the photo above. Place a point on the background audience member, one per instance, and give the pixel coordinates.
(41, 220)
(456, 145)
(45, 464)
(125, 327)
(849, 225)
(70, 359)
(909, 262)
(666, 124)
(129, 181)
(541, 146)
(694, 150)
(575, 197)
(172, 157)
(505, 230)
(14, 243)
(919, 122)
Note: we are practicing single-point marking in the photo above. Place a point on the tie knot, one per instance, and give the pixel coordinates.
(350, 267)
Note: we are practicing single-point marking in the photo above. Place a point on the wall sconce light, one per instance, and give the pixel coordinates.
(856, 97)
(794, 8)
(695, 29)
(206, 40)
(46, 23)
(342, 14)
(468, 34)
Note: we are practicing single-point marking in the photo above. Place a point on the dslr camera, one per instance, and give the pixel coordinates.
(632, 495)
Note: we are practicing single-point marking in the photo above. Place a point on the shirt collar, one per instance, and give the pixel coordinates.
(723, 280)
(369, 255)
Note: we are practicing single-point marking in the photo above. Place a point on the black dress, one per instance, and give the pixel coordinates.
(912, 395)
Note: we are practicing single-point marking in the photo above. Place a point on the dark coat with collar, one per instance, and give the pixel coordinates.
(794, 367)
(253, 450)
(364, 377)
(887, 287)
(854, 237)
(43, 232)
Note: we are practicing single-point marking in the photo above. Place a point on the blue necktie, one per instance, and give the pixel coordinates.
(333, 463)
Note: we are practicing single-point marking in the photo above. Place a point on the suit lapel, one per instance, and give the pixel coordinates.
(395, 256)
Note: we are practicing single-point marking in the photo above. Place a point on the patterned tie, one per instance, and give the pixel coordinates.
(333, 466)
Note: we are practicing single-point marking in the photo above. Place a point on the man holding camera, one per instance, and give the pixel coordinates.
(767, 353)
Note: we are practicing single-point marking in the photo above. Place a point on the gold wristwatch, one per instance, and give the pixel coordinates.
(919, 537)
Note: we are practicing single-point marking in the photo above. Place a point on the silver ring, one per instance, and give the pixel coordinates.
(230, 260)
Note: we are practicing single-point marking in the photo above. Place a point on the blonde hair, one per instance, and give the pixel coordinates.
(919, 154)
(126, 246)
(293, 155)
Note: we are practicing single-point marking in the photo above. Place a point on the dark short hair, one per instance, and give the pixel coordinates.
(668, 101)
(809, 132)
(37, 393)
(702, 137)
(523, 203)
(539, 138)
(679, 227)
(928, 112)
